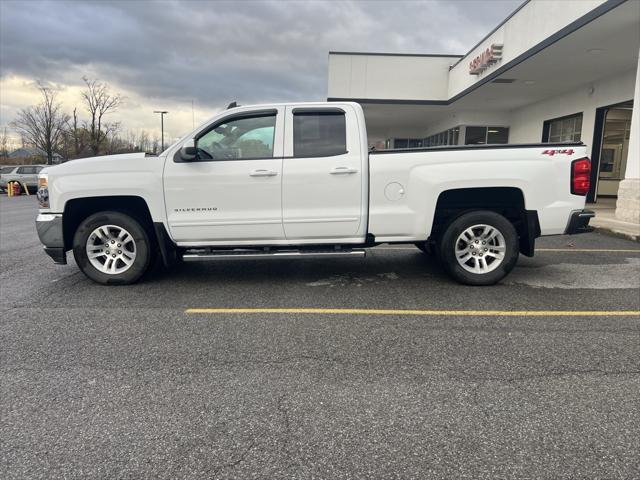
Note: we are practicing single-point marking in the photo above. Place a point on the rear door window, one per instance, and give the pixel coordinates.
(319, 133)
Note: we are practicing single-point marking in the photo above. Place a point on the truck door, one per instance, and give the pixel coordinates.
(232, 192)
(322, 191)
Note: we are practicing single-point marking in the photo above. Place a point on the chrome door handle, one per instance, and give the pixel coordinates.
(343, 170)
(263, 173)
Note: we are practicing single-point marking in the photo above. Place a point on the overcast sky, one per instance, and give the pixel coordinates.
(166, 54)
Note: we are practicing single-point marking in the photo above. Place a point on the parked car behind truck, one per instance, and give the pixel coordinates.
(297, 180)
(27, 175)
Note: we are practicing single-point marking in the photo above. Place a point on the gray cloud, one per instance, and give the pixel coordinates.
(218, 51)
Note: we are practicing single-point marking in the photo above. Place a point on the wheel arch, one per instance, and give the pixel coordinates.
(507, 201)
(78, 209)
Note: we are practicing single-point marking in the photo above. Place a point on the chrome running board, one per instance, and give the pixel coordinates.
(205, 254)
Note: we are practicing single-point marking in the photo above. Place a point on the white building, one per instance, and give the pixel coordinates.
(552, 71)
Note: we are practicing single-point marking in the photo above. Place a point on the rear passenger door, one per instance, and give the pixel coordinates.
(322, 190)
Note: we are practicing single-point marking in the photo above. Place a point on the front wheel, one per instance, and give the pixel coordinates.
(112, 248)
(479, 248)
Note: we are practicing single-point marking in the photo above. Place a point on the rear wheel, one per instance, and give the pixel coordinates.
(112, 248)
(479, 248)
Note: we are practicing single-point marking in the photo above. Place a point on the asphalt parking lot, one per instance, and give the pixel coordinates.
(132, 382)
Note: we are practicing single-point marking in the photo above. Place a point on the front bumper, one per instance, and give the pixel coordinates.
(51, 234)
(579, 222)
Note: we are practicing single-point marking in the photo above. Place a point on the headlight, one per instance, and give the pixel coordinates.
(43, 190)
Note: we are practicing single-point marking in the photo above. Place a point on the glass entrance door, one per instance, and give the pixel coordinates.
(613, 153)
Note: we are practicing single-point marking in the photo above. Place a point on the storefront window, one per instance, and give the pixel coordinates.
(475, 135)
(564, 129)
(497, 135)
(486, 135)
(406, 142)
(448, 137)
(453, 136)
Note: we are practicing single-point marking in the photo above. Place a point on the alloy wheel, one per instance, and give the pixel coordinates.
(480, 249)
(111, 249)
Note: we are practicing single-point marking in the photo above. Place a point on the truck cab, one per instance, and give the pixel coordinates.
(272, 176)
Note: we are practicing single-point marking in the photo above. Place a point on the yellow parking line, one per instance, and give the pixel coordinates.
(456, 313)
(620, 250)
(577, 250)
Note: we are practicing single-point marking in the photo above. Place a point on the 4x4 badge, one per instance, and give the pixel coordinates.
(565, 151)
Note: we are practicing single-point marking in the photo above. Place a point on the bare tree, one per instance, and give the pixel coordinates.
(143, 141)
(75, 133)
(4, 143)
(132, 141)
(98, 101)
(113, 141)
(42, 125)
(155, 144)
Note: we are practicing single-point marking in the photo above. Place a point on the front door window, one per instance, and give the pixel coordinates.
(239, 139)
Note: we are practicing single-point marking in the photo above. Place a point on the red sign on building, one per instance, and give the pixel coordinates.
(487, 58)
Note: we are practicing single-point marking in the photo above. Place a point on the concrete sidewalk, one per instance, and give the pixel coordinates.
(606, 220)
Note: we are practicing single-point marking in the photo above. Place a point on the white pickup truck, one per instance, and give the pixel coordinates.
(298, 180)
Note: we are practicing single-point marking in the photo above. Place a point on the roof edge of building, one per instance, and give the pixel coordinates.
(388, 101)
(386, 54)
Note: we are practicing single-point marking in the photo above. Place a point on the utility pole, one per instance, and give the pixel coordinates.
(161, 112)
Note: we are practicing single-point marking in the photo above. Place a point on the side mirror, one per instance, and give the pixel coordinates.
(188, 151)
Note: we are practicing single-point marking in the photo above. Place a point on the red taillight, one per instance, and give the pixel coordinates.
(580, 176)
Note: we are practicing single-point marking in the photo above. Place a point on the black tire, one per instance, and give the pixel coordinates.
(449, 239)
(143, 248)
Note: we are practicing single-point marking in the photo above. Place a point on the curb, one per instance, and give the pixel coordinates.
(617, 233)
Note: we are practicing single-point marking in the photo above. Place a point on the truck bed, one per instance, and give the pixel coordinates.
(405, 184)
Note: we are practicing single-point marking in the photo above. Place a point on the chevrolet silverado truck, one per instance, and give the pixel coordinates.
(298, 180)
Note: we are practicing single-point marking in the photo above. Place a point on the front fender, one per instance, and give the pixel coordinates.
(118, 175)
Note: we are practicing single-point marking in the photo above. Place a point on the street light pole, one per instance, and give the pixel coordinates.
(161, 112)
